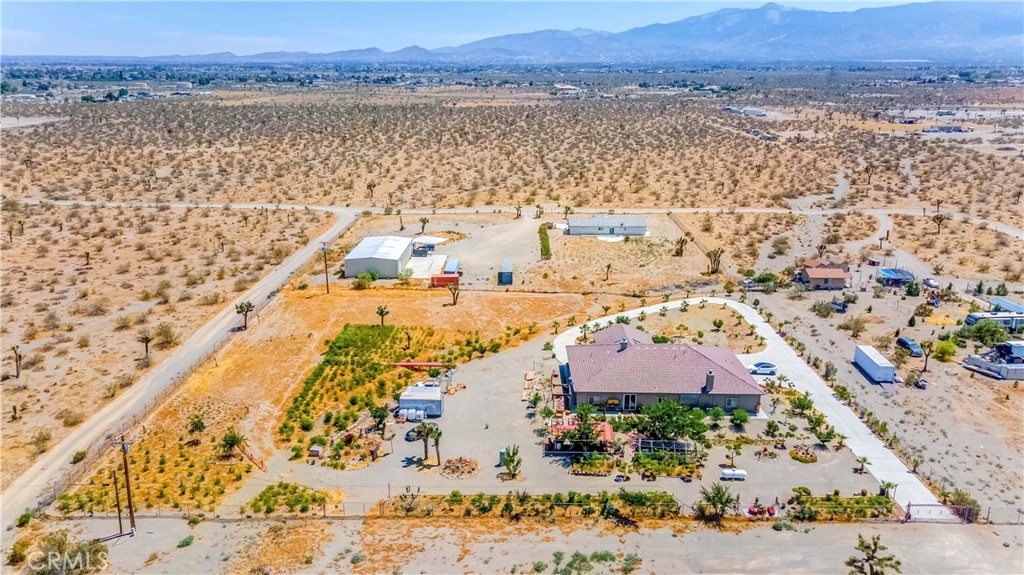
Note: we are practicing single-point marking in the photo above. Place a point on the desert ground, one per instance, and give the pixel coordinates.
(94, 296)
(482, 546)
(83, 285)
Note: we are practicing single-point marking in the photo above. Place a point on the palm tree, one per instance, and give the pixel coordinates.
(715, 502)
(231, 442)
(145, 338)
(244, 309)
(862, 460)
(436, 437)
(872, 563)
(423, 224)
(382, 310)
(423, 432)
(888, 486)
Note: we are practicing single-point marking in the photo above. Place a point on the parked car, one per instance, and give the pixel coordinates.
(931, 283)
(763, 368)
(911, 346)
(411, 435)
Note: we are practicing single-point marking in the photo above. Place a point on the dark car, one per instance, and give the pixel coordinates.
(911, 346)
(411, 435)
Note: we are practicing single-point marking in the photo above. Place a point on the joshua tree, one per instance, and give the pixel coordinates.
(873, 562)
(715, 260)
(17, 361)
(821, 250)
(566, 212)
(926, 350)
(680, 247)
(369, 187)
(938, 204)
(145, 338)
(939, 219)
(244, 309)
(423, 224)
(607, 271)
(519, 211)
(435, 436)
(382, 310)
(454, 289)
(715, 502)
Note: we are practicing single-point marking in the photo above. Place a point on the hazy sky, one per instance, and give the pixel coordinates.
(147, 28)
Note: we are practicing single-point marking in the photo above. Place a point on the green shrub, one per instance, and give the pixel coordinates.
(545, 242)
(186, 542)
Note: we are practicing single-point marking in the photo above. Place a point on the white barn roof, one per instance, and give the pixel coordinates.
(610, 221)
(380, 247)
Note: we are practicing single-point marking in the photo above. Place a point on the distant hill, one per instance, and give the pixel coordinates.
(982, 32)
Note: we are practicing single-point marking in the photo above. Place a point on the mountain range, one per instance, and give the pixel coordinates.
(975, 32)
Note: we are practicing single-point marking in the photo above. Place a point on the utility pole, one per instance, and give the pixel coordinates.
(327, 279)
(125, 447)
(117, 498)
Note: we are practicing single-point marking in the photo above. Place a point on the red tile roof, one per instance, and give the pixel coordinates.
(657, 368)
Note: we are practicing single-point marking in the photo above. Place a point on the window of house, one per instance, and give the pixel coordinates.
(731, 402)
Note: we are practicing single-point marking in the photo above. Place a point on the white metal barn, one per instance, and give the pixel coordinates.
(389, 255)
(607, 225)
(429, 400)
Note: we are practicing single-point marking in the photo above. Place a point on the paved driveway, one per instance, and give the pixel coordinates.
(884, 465)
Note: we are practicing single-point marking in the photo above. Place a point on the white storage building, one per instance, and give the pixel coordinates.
(607, 225)
(389, 255)
(419, 401)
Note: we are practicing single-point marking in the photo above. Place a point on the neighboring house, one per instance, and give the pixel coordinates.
(609, 225)
(825, 273)
(627, 372)
(388, 255)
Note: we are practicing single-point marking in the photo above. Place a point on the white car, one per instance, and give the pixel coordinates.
(763, 368)
(931, 283)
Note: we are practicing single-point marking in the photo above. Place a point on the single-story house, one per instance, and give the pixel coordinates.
(607, 225)
(388, 255)
(825, 273)
(825, 278)
(629, 372)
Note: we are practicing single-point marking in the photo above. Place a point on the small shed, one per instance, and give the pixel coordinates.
(505, 275)
(444, 280)
(428, 399)
(316, 452)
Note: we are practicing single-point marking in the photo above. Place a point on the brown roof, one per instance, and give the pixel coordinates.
(657, 368)
(827, 262)
(822, 273)
(618, 332)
